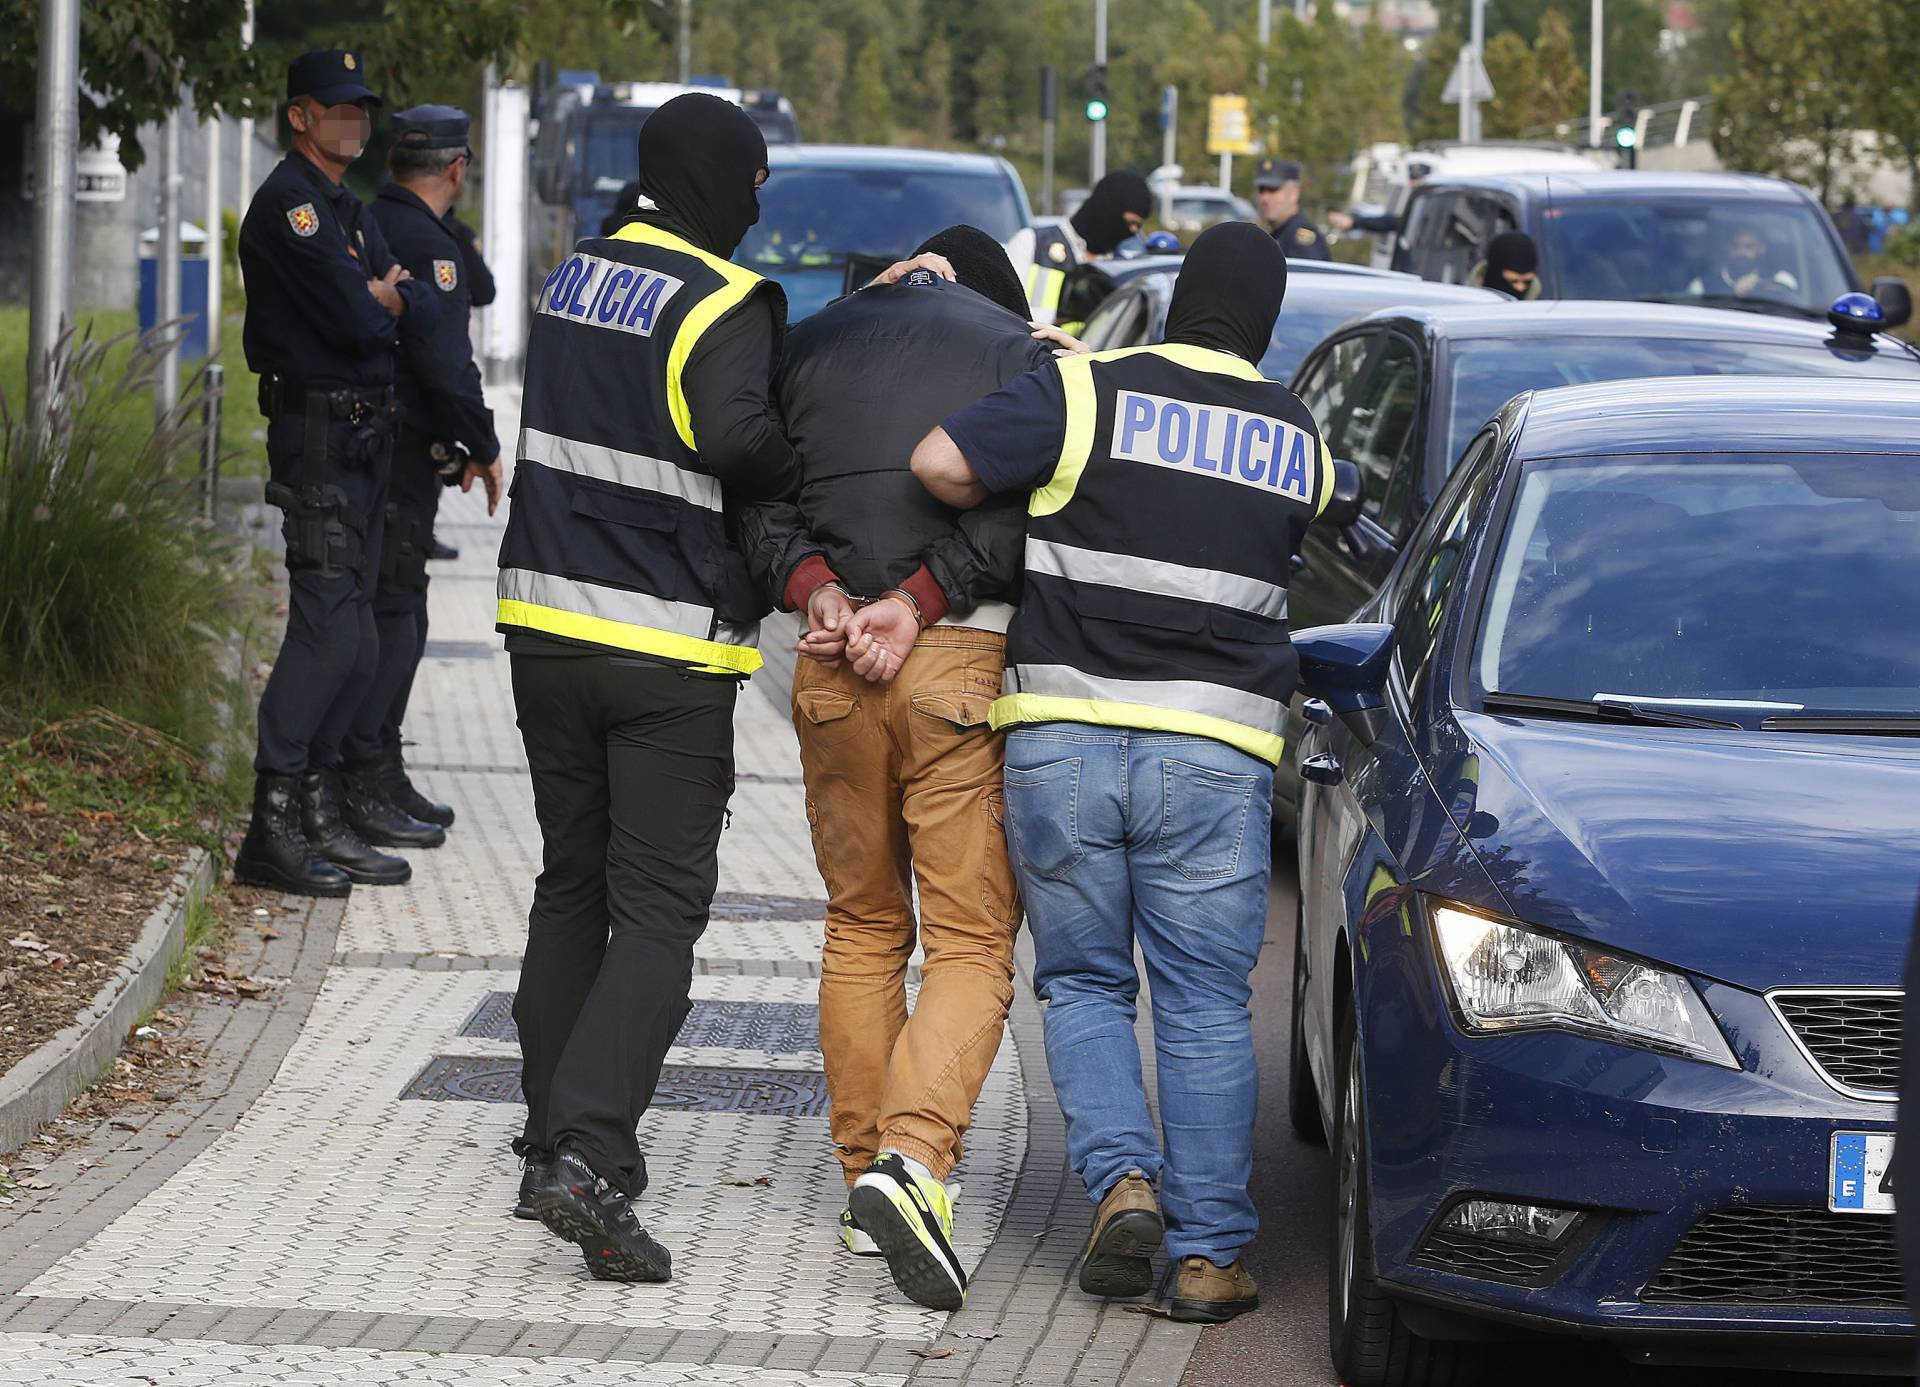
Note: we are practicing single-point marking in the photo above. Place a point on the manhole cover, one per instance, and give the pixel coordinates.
(738, 905)
(458, 650)
(784, 1028)
(683, 1088)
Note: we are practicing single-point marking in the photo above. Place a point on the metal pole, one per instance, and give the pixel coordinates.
(1596, 43)
(213, 400)
(1466, 105)
(1470, 97)
(214, 236)
(166, 393)
(243, 194)
(686, 41)
(1169, 149)
(1098, 158)
(1226, 173)
(1266, 37)
(1047, 128)
(56, 140)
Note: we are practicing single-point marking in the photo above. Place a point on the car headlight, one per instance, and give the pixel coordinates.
(1504, 977)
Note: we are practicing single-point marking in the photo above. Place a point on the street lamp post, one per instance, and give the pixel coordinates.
(56, 152)
(1470, 93)
(686, 41)
(1596, 45)
(1097, 160)
(166, 393)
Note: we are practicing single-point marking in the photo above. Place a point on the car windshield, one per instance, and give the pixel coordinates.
(612, 138)
(819, 216)
(1731, 584)
(1762, 256)
(1488, 372)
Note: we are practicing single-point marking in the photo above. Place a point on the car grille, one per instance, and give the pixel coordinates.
(1854, 1037)
(1487, 1260)
(1770, 1256)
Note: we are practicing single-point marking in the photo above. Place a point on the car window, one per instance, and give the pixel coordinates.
(1420, 242)
(1378, 437)
(812, 214)
(1433, 564)
(1328, 382)
(1119, 322)
(1464, 233)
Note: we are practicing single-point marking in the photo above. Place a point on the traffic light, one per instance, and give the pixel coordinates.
(1097, 92)
(1626, 127)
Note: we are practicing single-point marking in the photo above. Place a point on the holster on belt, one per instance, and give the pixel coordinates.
(317, 514)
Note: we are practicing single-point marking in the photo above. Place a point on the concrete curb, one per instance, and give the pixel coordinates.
(39, 1087)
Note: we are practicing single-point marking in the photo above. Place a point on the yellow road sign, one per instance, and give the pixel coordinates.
(1229, 125)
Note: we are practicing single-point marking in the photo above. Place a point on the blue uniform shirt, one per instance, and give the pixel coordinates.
(1013, 437)
(437, 381)
(307, 250)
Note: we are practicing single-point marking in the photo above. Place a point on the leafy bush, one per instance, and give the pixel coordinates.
(1903, 244)
(113, 591)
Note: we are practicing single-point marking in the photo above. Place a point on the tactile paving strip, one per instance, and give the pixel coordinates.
(781, 1027)
(753, 905)
(458, 650)
(683, 1088)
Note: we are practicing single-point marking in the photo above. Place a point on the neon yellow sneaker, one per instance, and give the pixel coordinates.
(911, 1218)
(855, 1238)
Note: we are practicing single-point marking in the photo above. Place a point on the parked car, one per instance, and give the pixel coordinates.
(1720, 240)
(1606, 865)
(825, 204)
(1384, 176)
(1197, 206)
(1403, 391)
(1321, 295)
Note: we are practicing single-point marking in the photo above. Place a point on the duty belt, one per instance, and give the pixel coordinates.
(354, 404)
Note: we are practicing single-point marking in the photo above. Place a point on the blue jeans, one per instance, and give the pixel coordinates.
(1122, 836)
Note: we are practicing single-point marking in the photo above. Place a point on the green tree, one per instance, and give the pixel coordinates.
(760, 64)
(991, 118)
(1436, 119)
(1560, 78)
(1795, 97)
(936, 89)
(1893, 93)
(1515, 74)
(871, 101)
(717, 48)
(826, 67)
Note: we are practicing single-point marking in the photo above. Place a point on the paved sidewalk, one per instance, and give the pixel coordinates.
(330, 1203)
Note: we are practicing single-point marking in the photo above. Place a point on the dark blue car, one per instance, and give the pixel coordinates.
(1607, 857)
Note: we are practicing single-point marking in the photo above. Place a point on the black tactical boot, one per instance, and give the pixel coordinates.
(401, 791)
(442, 551)
(375, 817)
(535, 1170)
(327, 830)
(576, 1204)
(276, 852)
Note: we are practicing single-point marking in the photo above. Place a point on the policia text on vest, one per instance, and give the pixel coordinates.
(618, 535)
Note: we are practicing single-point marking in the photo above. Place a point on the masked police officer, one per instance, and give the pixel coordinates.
(325, 301)
(1148, 673)
(446, 436)
(631, 619)
(1276, 189)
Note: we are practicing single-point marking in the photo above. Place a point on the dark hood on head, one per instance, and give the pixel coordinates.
(980, 263)
(1101, 219)
(1229, 291)
(698, 158)
(1763, 859)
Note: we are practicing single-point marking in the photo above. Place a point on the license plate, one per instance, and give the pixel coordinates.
(1860, 1173)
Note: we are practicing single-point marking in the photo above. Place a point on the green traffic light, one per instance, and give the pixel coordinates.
(1626, 137)
(1096, 109)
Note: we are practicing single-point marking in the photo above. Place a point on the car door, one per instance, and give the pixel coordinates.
(1122, 321)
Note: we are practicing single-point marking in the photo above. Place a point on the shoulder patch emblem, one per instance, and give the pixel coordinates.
(303, 219)
(348, 59)
(1056, 252)
(446, 275)
(1306, 235)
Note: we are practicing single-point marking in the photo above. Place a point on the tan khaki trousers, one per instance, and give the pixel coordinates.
(904, 786)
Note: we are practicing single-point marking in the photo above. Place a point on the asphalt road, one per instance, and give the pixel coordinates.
(1284, 1343)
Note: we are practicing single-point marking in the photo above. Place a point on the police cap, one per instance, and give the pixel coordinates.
(1275, 173)
(430, 127)
(331, 76)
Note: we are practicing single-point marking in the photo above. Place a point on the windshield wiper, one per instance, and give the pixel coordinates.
(1858, 724)
(1613, 710)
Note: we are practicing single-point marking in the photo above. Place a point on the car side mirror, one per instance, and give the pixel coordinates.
(1343, 507)
(1346, 668)
(1895, 300)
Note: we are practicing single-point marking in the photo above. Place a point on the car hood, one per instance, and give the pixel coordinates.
(1762, 859)
(809, 288)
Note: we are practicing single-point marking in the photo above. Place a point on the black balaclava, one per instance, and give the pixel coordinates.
(1101, 219)
(1510, 250)
(1229, 291)
(698, 158)
(980, 263)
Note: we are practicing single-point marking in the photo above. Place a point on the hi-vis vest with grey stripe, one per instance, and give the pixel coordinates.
(617, 537)
(1159, 549)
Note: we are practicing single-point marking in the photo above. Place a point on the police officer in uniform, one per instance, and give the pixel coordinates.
(445, 436)
(1276, 190)
(631, 619)
(325, 302)
(1148, 673)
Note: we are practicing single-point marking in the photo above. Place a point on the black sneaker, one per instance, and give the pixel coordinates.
(535, 1171)
(576, 1204)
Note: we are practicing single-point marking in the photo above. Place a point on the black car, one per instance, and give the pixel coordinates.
(1718, 240)
(1321, 295)
(1402, 392)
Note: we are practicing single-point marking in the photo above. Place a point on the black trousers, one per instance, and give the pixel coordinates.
(632, 768)
(399, 611)
(331, 647)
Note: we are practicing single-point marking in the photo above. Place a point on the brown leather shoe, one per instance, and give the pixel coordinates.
(1206, 1294)
(1126, 1233)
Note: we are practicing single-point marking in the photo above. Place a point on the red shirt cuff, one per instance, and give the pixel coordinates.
(808, 576)
(923, 589)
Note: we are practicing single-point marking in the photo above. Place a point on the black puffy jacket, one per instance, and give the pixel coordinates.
(860, 384)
